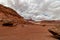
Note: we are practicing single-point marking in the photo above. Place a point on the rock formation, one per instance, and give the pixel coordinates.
(55, 31)
(9, 17)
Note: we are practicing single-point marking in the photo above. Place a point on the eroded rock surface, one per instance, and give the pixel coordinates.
(55, 30)
(9, 16)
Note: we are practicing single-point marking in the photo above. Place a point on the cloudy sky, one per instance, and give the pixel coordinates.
(52, 8)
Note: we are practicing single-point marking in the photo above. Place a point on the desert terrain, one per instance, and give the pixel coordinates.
(27, 32)
(21, 29)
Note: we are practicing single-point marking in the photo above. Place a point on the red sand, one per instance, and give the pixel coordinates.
(26, 32)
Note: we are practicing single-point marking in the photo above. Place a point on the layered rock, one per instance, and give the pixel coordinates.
(9, 16)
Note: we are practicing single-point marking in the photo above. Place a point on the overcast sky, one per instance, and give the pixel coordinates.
(51, 10)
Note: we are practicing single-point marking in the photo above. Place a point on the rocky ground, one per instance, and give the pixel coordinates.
(26, 32)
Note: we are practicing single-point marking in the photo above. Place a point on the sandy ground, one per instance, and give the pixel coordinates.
(27, 32)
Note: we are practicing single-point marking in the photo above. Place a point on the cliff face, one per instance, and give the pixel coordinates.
(9, 15)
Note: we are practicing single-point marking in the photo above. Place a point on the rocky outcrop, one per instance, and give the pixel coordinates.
(9, 16)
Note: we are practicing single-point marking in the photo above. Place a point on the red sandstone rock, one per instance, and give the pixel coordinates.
(9, 14)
